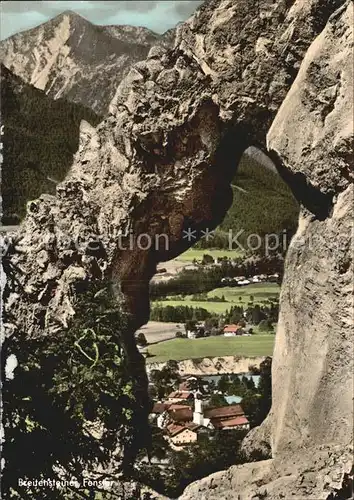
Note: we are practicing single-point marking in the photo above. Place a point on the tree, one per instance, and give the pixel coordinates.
(41, 136)
(190, 325)
(265, 388)
(207, 259)
(236, 317)
(141, 339)
(257, 401)
(200, 333)
(254, 370)
(217, 401)
(223, 383)
(249, 383)
(196, 461)
(265, 325)
(221, 322)
(166, 379)
(250, 405)
(197, 384)
(172, 366)
(62, 385)
(257, 315)
(211, 323)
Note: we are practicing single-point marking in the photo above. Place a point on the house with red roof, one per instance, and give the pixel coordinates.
(182, 434)
(183, 423)
(227, 417)
(180, 397)
(233, 330)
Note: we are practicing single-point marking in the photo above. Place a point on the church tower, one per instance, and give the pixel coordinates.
(198, 415)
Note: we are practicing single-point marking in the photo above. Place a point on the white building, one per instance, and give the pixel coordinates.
(198, 414)
(162, 420)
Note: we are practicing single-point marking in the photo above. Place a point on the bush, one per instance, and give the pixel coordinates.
(265, 325)
(207, 259)
(62, 384)
(141, 340)
(180, 314)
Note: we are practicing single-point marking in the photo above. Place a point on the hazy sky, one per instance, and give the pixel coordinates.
(157, 15)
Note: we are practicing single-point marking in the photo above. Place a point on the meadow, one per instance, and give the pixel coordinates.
(178, 349)
(241, 295)
(260, 292)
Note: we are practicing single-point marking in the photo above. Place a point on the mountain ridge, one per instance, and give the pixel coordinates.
(70, 57)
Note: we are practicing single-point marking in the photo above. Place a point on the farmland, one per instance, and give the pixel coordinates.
(178, 349)
(157, 331)
(260, 292)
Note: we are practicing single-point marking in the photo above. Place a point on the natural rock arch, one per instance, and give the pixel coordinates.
(163, 160)
(167, 152)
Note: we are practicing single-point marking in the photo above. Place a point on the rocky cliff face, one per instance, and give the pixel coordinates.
(72, 58)
(275, 75)
(212, 366)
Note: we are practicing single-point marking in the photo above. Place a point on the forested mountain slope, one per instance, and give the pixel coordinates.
(40, 138)
(262, 202)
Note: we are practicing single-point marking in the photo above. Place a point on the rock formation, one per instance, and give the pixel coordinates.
(72, 58)
(212, 366)
(270, 74)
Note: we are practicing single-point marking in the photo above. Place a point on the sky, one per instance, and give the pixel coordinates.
(157, 15)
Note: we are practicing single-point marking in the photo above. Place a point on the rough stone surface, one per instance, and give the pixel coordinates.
(213, 366)
(162, 162)
(316, 350)
(311, 476)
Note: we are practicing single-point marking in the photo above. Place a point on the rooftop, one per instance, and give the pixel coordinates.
(184, 386)
(231, 328)
(183, 415)
(224, 412)
(174, 429)
(230, 422)
(180, 395)
(159, 407)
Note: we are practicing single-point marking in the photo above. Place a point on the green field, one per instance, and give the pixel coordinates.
(260, 292)
(196, 253)
(178, 349)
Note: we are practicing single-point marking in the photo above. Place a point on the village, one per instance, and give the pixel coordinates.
(243, 280)
(187, 413)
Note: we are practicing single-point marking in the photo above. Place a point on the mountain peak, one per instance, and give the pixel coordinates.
(65, 55)
(70, 13)
(73, 16)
